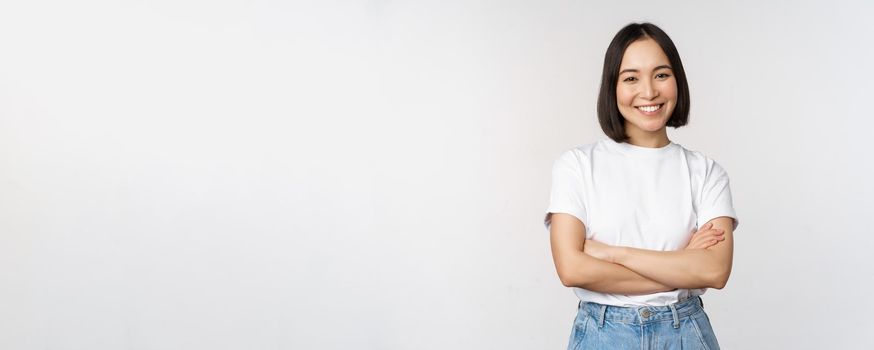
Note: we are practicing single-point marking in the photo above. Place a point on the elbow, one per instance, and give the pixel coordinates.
(715, 274)
(576, 271)
(571, 277)
(718, 280)
(718, 284)
(574, 282)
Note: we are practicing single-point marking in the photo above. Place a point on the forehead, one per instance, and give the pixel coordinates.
(643, 54)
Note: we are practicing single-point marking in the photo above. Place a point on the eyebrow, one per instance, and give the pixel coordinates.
(654, 69)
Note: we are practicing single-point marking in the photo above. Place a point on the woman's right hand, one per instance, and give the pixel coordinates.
(705, 237)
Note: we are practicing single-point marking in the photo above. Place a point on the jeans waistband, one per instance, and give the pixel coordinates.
(641, 314)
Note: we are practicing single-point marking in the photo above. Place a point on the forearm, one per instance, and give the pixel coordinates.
(601, 276)
(690, 268)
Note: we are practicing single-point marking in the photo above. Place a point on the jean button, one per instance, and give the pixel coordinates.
(644, 313)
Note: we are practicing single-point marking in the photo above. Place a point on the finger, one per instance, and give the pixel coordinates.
(705, 240)
(709, 233)
(706, 234)
(702, 241)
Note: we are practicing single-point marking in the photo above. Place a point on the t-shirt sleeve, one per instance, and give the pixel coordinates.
(566, 195)
(716, 196)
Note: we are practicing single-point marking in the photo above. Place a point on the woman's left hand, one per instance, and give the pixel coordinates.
(599, 250)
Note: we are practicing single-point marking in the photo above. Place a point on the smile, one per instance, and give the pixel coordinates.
(650, 109)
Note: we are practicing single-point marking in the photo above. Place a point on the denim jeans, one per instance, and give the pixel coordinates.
(683, 325)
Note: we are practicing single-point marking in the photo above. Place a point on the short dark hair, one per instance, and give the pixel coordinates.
(611, 120)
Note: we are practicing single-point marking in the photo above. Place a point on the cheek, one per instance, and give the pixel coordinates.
(671, 91)
(623, 97)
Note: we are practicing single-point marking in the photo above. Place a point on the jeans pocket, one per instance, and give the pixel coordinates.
(579, 331)
(701, 323)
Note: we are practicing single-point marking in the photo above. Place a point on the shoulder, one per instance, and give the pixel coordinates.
(581, 153)
(701, 163)
(575, 160)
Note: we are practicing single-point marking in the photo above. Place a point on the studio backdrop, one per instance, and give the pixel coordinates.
(374, 174)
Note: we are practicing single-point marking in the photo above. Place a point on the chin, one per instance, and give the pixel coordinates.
(651, 127)
(656, 128)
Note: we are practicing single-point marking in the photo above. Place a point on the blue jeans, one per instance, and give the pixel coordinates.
(683, 325)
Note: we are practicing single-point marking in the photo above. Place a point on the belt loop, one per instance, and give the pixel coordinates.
(603, 313)
(676, 318)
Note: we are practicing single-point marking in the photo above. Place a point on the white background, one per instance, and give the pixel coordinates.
(373, 174)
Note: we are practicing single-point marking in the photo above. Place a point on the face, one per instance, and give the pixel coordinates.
(646, 92)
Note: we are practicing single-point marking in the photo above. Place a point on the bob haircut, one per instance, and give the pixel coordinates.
(612, 122)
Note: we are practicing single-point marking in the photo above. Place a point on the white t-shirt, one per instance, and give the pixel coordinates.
(632, 196)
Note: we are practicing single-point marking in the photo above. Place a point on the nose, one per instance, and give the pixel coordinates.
(648, 91)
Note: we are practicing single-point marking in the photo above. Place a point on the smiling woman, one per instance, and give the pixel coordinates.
(640, 226)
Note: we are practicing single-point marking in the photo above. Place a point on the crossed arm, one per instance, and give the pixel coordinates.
(705, 263)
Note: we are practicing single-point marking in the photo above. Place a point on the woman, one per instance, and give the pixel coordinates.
(641, 226)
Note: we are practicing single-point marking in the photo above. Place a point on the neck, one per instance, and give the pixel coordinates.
(656, 139)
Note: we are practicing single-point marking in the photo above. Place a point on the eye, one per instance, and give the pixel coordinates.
(629, 79)
(662, 75)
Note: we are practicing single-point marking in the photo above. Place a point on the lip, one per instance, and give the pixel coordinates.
(655, 112)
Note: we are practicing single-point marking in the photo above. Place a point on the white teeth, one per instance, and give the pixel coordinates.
(650, 109)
